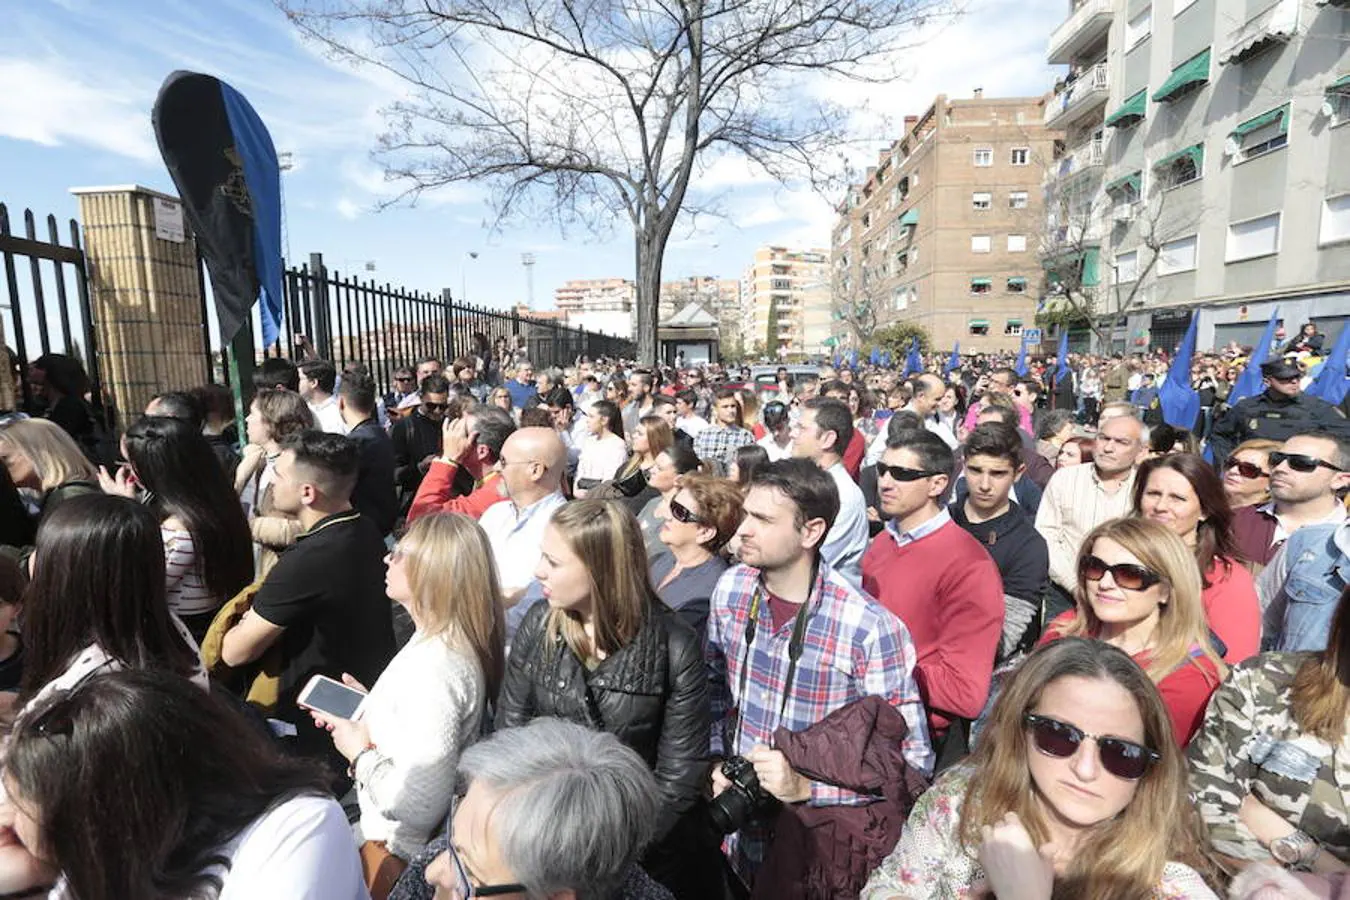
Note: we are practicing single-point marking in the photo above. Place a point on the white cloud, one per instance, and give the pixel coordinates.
(54, 108)
(348, 208)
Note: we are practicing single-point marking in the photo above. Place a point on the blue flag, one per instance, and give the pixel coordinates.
(1181, 402)
(875, 358)
(1248, 384)
(853, 358)
(1062, 369)
(955, 362)
(1021, 367)
(1331, 383)
(914, 362)
(886, 359)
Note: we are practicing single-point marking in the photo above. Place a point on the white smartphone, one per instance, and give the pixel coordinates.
(332, 698)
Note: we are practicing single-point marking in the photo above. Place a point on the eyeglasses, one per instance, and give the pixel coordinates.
(435, 407)
(1123, 759)
(1301, 462)
(403, 378)
(900, 473)
(682, 513)
(1126, 575)
(465, 889)
(1246, 469)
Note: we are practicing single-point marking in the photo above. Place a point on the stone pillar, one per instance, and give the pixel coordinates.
(144, 294)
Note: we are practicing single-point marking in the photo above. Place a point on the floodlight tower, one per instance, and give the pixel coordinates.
(527, 260)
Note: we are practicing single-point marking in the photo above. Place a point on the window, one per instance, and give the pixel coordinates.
(1181, 168)
(1338, 104)
(1020, 156)
(1017, 243)
(1127, 267)
(981, 243)
(1253, 238)
(1177, 256)
(1263, 134)
(867, 220)
(1138, 28)
(901, 262)
(981, 200)
(1017, 200)
(914, 180)
(1012, 327)
(900, 298)
(981, 285)
(780, 284)
(1017, 285)
(979, 327)
(1335, 219)
(984, 156)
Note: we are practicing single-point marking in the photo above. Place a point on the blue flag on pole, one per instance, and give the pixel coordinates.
(886, 359)
(914, 363)
(875, 358)
(1062, 368)
(954, 362)
(1181, 402)
(1248, 384)
(1021, 367)
(1331, 383)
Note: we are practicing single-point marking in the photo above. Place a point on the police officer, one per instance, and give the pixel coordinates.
(1277, 413)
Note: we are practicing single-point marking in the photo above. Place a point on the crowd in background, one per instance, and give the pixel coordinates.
(969, 628)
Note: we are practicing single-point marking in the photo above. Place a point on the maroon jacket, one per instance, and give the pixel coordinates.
(1254, 532)
(827, 852)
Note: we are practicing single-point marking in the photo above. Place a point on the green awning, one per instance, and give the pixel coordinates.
(1131, 111)
(1091, 267)
(1017, 279)
(979, 323)
(1014, 322)
(1134, 180)
(1192, 72)
(1340, 85)
(981, 282)
(911, 217)
(1196, 154)
(1280, 114)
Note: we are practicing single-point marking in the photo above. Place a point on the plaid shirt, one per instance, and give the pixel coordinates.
(719, 442)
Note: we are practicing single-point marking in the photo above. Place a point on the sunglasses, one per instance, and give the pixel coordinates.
(681, 513)
(1246, 469)
(435, 407)
(900, 473)
(1301, 462)
(403, 378)
(1123, 759)
(1126, 575)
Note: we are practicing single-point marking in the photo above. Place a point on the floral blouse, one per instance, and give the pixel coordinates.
(929, 862)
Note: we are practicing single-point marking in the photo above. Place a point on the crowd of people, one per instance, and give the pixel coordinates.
(643, 632)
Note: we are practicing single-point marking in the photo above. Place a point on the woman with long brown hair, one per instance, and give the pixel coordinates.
(603, 452)
(1139, 589)
(1269, 767)
(651, 437)
(602, 650)
(1076, 790)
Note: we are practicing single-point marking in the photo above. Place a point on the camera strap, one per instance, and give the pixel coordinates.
(795, 646)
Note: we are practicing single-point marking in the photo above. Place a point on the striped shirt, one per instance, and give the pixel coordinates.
(1074, 503)
(187, 592)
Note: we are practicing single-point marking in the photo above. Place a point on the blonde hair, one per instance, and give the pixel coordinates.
(454, 587)
(1181, 620)
(605, 537)
(1320, 695)
(53, 453)
(1118, 859)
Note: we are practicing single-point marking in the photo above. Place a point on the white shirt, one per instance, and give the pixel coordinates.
(328, 417)
(846, 541)
(691, 425)
(601, 458)
(1075, 502)
(771, 447)
(516, 536)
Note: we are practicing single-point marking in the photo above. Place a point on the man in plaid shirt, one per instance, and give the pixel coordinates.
(720, 440)
(850, 646)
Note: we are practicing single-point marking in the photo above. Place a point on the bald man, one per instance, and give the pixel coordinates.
(532, 464)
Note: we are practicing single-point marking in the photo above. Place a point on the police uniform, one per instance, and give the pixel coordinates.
(1272, 415)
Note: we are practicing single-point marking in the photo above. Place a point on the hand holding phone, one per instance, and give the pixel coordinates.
(331, 698)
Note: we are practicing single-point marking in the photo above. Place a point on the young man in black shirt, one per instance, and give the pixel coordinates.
(374, 495)
(325, 601)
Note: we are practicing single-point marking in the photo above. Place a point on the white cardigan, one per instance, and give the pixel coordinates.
(425, 708)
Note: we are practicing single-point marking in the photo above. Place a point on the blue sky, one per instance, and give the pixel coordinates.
(80, 76)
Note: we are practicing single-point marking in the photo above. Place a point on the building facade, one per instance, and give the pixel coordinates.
(785, 304)
(599, 304)
(944, 231)
(719, 296)
(1225, 186)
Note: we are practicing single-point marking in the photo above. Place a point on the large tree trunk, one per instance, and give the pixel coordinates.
(648, 296)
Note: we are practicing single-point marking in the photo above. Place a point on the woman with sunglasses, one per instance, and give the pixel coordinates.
(603, 452)
(1075, 790)
(1246, 473)
(1268, 769)
(704, 514)
(1139, 590)
(667, 471)
(404, 748)
(603, 651)
(232, 818)
(1182, 492)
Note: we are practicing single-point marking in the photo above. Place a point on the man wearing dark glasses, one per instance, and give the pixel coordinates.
(1308, 475)
(1277, 413)
(417, 437)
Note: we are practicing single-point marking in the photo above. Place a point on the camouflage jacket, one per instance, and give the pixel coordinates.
(1250, 744)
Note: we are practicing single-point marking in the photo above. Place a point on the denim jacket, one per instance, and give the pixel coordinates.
(1317, 563)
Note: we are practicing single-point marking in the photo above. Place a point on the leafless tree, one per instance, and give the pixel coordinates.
(593, 111)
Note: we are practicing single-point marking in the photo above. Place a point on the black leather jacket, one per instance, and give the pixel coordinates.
(652, 694)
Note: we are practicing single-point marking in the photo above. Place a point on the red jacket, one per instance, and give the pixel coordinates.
(853, 454)
(434, 494)
(1233, 611)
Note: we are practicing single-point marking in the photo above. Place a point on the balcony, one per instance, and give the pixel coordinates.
(1090, 20)
(1085, 158)
(1085, 95)
(1275, 23)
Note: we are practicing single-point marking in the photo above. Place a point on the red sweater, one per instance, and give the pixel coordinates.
(1233, 611)
(947, 591)
(854, 453)
(433, 496)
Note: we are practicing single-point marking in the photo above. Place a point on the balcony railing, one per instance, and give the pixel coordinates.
(1089, 90)
(1089, 20)
(1081, 159)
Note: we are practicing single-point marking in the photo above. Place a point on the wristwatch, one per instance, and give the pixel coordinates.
(1295, 851)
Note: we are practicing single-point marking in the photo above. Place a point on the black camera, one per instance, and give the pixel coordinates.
(730, 809)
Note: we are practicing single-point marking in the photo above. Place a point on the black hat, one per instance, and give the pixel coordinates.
(1280, 370)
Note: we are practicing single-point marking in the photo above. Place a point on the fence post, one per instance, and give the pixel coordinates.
(322, 338)
(144, 293)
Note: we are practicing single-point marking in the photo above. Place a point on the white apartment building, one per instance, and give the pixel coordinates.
(785, 303)
(599, 304)
(1209, 144)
